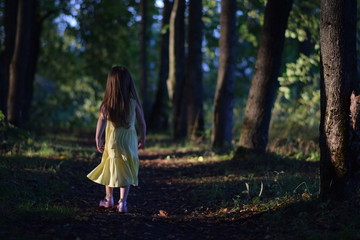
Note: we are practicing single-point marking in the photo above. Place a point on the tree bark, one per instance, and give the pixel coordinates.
(338, 80)
(143, 56)
(193, 84)
(20, 62)
(10, 23)
(224, 95)
(254, 132)
(159, 116)
(176, 80)
(33, 59)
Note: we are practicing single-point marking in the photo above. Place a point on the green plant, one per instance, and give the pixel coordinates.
(67, 106)
(12, 139)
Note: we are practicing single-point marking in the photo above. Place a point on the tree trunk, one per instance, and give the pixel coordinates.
(159, 116)
(20, 62)
(193, 85)
(176, 80)
(338, 57)
(10, 23)
(143, 56)
(224, 96)
(33, 59)
(254, 132)
(306, 47)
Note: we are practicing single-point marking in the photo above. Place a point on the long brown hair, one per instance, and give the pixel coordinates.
(119, 90)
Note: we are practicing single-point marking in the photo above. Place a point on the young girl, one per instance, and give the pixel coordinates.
(120, 162)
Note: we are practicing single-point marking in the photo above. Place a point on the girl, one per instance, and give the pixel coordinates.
(120, 162)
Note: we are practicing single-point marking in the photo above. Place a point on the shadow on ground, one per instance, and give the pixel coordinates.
(180, 196)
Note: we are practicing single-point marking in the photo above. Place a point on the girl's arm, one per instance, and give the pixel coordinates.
(142, 125)
(100, 126)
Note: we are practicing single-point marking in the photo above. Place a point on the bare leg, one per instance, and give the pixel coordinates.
(124, 192)
(109, 199)
(109, 192)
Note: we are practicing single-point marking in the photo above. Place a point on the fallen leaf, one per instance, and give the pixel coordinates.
(163, 213)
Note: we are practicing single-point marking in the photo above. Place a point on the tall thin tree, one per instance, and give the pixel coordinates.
(338, 166)
(143, 56)
(176, 80)
(37, 26)
(224, 96)
(159, 116)
(20, 61)
(254, 132)
(193, 82)
(10, 23)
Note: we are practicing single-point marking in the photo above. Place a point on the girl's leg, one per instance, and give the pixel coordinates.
(109, 199)
(109, 192)
(124, 192)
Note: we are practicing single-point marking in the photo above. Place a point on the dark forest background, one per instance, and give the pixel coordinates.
(79, 41)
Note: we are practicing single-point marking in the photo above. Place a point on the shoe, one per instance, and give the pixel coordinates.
(122, 207)
(106, 203)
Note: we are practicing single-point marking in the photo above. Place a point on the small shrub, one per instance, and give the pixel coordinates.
(12, 139)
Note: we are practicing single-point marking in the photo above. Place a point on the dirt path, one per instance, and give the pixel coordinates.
(161, 207)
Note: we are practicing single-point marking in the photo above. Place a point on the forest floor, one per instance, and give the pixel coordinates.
(184, 192)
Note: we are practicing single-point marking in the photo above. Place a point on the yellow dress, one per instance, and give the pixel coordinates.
(120, 161)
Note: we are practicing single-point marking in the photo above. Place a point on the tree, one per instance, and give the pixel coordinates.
(193, 80)
(109, 35)
(176, 79)
(143, 56)
(224, 96)
(37, 22)
(254, 132)
(338, 133)
(10, 23)
(19, 65)
(159, 117)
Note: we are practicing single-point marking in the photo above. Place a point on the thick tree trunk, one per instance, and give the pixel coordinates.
(254, 132)
(224, 96)
(338, 57)
(159, 116)
(143, 56)
(176, 80)
(193, 84)
(20, 62)
(10, 23)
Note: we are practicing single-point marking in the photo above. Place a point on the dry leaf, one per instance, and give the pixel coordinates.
(163, 213)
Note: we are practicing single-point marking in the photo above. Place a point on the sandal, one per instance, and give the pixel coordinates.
(122, 207)
(106, 203)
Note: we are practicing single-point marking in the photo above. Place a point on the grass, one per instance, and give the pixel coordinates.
(32, 188)
(259, 182)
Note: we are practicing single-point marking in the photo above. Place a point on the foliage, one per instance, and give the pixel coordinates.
(12, 139)
(304, 21)
(298, 103)
(60, 59)
(66, 106)
(113, 42)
